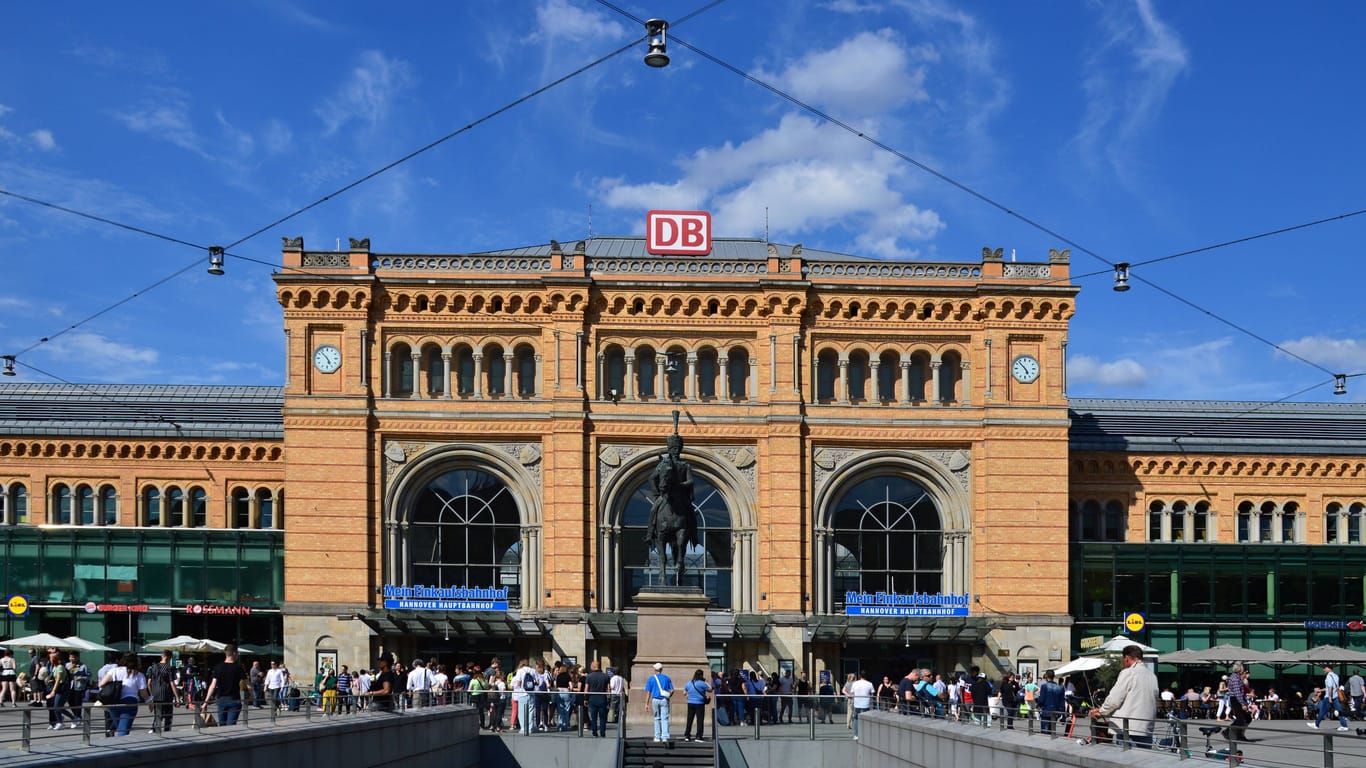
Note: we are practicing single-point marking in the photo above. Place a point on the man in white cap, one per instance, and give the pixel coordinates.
(658, 689)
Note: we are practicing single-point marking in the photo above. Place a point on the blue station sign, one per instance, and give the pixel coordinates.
(423, 598)
(913, 604)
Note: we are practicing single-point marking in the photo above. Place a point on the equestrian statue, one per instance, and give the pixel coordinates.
(673, 520)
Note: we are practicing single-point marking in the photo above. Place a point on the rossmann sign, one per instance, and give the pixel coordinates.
(687, 233)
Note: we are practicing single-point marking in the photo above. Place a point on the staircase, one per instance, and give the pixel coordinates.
(642, 753)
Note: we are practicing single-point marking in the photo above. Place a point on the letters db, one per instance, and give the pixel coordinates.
(682, 232)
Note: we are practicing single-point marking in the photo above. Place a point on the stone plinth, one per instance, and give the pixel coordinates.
(671, 629)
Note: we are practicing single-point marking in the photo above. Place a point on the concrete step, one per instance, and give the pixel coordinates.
(644, 753)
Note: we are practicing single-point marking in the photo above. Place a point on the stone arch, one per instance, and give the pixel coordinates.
(409, 482)
(950, 498)
(734, 488)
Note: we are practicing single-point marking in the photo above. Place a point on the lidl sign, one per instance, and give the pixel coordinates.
(17, 605)
(1134, 621)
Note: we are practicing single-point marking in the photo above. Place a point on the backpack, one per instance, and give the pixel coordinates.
(80, 679)
(529, 682)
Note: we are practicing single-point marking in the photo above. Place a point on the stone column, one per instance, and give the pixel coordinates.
(446, 373)
(966, 384)
(875, 374)
(987, 375)
(509, 378)
(690, 386)
(1165, 525)
(539, 377)
(843, 382)
(723, 393)
(391, 567)
(405, 559)
(384, 374)
(602, 376)
(935, 364)
(905, 380)
(416, 357)
(479, 374)
(630, 387)
(754, 379)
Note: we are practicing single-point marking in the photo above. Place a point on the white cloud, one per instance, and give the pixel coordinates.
(865, 75)
(166, 117)
(367, 95)
(277, 137)
(1345, 355)
(94, 352)
(42, 138)
(799, 177)
(1130, 75)
(560, 20)
(1125, 372)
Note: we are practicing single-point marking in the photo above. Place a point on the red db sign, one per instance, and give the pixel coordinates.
(682, 232)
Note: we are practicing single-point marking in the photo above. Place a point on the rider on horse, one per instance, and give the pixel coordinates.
(673, 520)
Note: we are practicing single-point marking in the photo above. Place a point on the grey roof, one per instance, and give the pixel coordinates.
(137, 410)
(721, 247)
(1217, 426)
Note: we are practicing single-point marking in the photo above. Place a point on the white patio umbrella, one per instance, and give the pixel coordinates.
(185, 644)
(1183, 656)
(1083, 664)
(42, 640)
(1117, 644)
(86, 645)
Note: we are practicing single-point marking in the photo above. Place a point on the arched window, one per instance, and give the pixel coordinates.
(1155, 511)
(1289, 516)
(887, 538)
(464, 530)
(1266, 521)
(707, 371)
(1178, 521)
(151, 506)
(19, 496)
(676, 373)
(708, 564)
(199, 508)
(737, 373)
(888, 374)
(1200, 521)
(175, 507)
(526, 371)
(1331, 531)
(1116, 521)
(61, 504)
(827, 370)
(464, 365)
(647, 371)
(265, 507)
(401, 371)
(613, 372)
(434, 365)
(858, 376)
(920, 375)
(109, 506)
(1354, 514)
(1247, 523)
(950, 376)
(241, 508)
(495, 370)
(85, 502)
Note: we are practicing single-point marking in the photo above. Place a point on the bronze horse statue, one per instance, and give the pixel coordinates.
(673, 520)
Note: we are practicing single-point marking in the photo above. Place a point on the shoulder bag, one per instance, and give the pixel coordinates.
(111, 692)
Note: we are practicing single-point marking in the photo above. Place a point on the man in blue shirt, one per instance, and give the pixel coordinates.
(1052, 701)
(658, 689)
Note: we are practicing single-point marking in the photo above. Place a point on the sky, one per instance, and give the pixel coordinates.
(1133, 129)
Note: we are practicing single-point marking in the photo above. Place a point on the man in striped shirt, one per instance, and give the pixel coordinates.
(1237, 703)
(344, 689)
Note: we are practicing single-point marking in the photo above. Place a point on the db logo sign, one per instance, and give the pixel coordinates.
(682, 232)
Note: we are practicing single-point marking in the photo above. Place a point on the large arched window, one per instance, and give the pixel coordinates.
(464, 366)
(920, 375)
(827, 370)
(613, 373)
(737, 374)
(85, 502)
(241, 508)
(434, 365)
(199, 508)
(887, 538)
(707, 372)
(401, 371)
(647, 370)
(109, 506)
(151, 506)
(175, 507)
(495, 370)
(16, 504)
(708, 562)
(888, 373)
(265, 507)
(858, 376)
(950, 376)
(465, 530)
(61, 504)
(526, 371)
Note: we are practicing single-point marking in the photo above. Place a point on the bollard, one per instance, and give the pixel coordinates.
(810, 719)
(1327, 752)
(86, 712)
(308, 709)
(26, 731)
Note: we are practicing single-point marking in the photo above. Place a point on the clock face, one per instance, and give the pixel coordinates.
(327, 358)
(1025, 369)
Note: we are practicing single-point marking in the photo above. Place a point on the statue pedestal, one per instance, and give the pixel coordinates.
(671, 629)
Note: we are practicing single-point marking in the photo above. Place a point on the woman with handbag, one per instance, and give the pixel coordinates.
(132, 689)
(698, 690)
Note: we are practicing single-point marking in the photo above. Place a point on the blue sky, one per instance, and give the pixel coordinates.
(1136, 129)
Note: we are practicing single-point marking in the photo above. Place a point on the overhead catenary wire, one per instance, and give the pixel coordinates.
(96, 393)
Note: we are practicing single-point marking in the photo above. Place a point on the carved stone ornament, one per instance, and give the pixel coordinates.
(362, 244)
(959, 461)
(827, 460)
(610, 456)
(293, 243)
(743, 457)
(530, 454)
(395, 453)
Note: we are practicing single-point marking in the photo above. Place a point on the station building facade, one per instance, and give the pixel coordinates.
(465, 442)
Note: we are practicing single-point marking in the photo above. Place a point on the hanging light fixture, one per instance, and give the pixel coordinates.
(9, 364)
(1122, 276)
(658, 30)
(215, 260)
(1339, 383)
